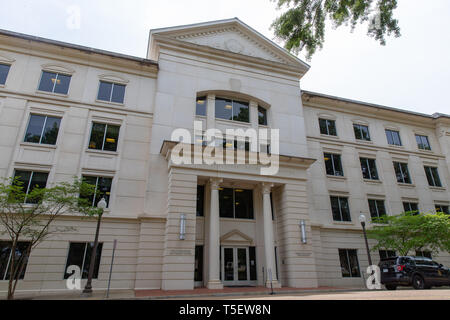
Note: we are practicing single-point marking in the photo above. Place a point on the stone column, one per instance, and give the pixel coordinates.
(214, 237)
(269, 248)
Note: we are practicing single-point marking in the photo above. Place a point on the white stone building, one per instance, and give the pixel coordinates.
(67, 110)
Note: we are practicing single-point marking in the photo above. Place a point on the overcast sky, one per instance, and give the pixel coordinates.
(411, 72)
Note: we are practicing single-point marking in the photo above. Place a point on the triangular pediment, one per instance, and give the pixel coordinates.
(234, 36)
(236, 237)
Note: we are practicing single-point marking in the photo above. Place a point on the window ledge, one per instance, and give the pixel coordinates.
(329, 136)
(265, 126)
(109, 103)
(239, 123)
(337, 178)
(2, 86)
(201, 117)
(364, 141)
(47, 93)
(344, 223)
(393, 146)
(370, 181)
(406, 185)
(424, 151)
(440, 189)
(37, 145)
(111, 153)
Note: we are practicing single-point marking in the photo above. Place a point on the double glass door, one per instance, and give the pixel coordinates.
(236, 266)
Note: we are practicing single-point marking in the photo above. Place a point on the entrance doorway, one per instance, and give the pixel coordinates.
(238, 267)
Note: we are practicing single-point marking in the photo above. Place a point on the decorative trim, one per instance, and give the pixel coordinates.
(245, 239)
(6, 60)
(114, 78)
(57, 68)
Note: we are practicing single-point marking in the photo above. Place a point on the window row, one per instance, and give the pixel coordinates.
(341, 210)
(229, 109)
(328, 127)
(80, 254)
(29, 180)
(55, 82)
(44, 129)
(333, 167)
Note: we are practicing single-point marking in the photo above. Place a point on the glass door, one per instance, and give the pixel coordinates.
(235, 266)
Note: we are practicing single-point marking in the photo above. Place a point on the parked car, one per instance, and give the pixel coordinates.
(419, 272)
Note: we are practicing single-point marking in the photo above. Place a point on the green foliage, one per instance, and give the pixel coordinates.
(302, 26)
(410, 231)
(29, 217)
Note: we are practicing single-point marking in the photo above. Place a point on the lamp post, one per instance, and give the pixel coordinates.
(88, 288)
(362, 219)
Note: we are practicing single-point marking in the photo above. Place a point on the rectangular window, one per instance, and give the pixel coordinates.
(426, 254)
(80, 254)
(236, 203)
(198, 268)
(4, 70)
(104, 137)
(111, 92)
(29, 180)
(327, 127)
(393, 138)
(349, 263)
(433, 177)
(444, 209)
(42, 129)
(6, 256)
(377, 208)
(340, 209)
(402, 172)
(384, 254)
(54, 82)
(411, 207)
(200, 108)
(252, 259)
(361, 132)
(423, 142)
(232, 110)
(200, 200)
(369, 169)
(262, 116)
(102, 189)
(333, 164)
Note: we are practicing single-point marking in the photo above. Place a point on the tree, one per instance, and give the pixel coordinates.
(410, 231)
(28, 217)
(302, 26)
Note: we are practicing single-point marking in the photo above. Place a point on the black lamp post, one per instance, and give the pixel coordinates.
(88, 288)
(362, 219)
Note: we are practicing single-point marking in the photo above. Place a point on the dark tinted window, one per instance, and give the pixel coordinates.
(411, 207)
(340, 209)
(226, 203)
(262, 116)
(29, 180)
(104, 137)
(54, 82)
(433, 177)
(402, 172)
(377, 208)
(252, 259)
(200, 109)
(423, 142)
(361, 132)
(393, 137)
(224, 109)
(369, 169)
(102, 189)
(42, 129)
(349, 263)
(111, 92)
(198, 267)
(243, 204)
(327, 127)
(80, 255)
(444, 209)
(241, 111)
(4, 70)
(426, 254)
(333, 164)
(200, 200)
(5, 258)
(386, 254)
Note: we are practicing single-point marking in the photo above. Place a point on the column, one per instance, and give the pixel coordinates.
(214, 237)
(269, 248)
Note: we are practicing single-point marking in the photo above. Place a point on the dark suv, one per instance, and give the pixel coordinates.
(419, 272)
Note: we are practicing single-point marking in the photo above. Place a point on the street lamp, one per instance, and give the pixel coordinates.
(88, 288)
(362, 219)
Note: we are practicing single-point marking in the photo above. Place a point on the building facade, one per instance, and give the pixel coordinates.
(67, 110)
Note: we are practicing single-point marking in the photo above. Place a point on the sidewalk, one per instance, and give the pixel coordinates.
(200, 293)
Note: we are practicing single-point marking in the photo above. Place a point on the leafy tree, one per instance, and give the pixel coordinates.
(28, 217)
(410, 231)
(303, 24)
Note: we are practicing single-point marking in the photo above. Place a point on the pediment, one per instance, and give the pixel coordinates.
(234, 36)
(236, 237)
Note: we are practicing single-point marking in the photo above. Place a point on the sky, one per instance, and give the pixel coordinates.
(411, 72)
